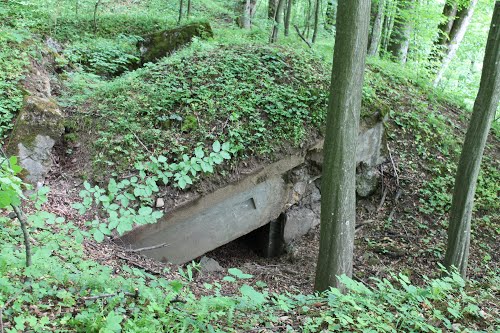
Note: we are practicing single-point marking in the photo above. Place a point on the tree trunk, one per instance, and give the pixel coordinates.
(400, 36)
(377, 28)
(181, 5)
(288, 16)
(188, 14)
(331, 14)
(246, 10)
(271, 10)
(24, 227)
(449, 44)
(307, 22)
(277, 22)
(485, 106)
(338, 203)
(388, 23)
(96, 6)
(316, 20)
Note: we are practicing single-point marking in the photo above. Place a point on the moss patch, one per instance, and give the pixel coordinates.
(161, 44)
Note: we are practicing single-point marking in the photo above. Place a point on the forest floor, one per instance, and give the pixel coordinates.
(393, 235)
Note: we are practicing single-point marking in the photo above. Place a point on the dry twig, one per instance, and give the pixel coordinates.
(147, 248)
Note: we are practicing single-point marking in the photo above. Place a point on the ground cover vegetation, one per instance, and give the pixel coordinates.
(198, 113)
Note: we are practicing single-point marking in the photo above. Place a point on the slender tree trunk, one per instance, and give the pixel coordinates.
(271, 10)
(181, 5)
(288, 16)
(388, 24)
(307, 22)
(377, 28)
(485, 106)
(24, 227)
(400, 37)
(188, 13)
(338, 200)
(246, 10)
(277, 22)
(96, 6)
(316, 20)
(331, 14)
(449, 46)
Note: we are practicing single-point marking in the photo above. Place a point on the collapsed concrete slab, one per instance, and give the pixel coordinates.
(290, 186)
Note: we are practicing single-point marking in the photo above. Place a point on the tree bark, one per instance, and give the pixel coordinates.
(181, 5)
(388, 23)
(316, 20)
(24, 227)
(400, 36)
(450, 42)
(307, 22)
(377, 28)
(288, 16)
(277, 22)
(338, 203)
(246, 10)
(271, 10)
(96, 6)
(331, 14)
(188, 13)
(485, 106)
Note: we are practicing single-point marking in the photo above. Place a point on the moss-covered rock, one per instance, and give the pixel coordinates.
(39, 126)
(161, 44)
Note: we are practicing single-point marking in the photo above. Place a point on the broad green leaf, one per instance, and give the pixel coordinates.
(145, 211)
(98, 235)
(216, 146)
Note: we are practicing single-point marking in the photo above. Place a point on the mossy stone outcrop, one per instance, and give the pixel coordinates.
(158, 45)
(38, 127)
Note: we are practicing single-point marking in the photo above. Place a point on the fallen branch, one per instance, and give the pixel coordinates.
(138, 265)
(393, 165)
(135, 294)
(396, 200)
(383, 198)
(147, 248)
(302, 36)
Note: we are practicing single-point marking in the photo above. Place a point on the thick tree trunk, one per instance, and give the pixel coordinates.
(338, 203)
(288, 16)
(401, 33)
(277, 22)
(316, 20)
(485, 106)
(246, 9)
(331, 14)
(377, 28)
(449, 46)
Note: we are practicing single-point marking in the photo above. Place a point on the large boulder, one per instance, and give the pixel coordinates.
(38, 127)
(160, 44)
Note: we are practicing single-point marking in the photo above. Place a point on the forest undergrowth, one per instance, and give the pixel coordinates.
(195, 116)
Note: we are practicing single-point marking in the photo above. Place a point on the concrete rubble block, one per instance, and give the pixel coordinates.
(209, 265)
(298, 223)
(367, 179)
(39, 126)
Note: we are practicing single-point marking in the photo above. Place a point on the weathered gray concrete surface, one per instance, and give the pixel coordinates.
(39, 126)
(217, 218)
(291, 185)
